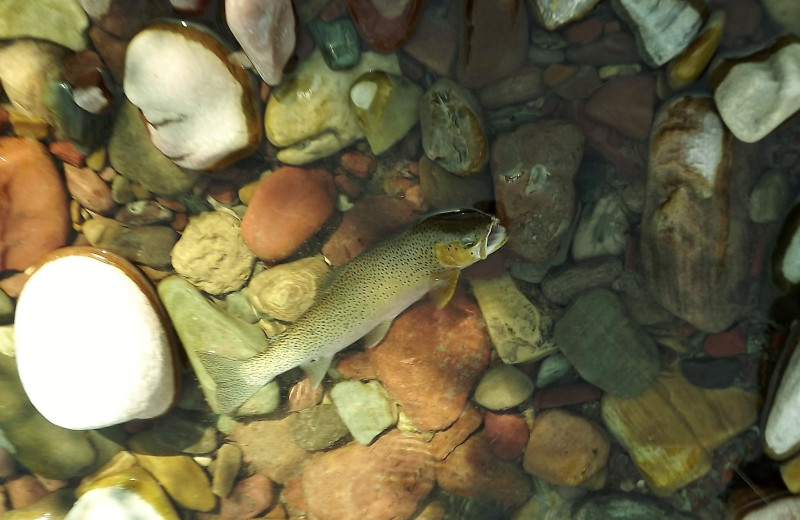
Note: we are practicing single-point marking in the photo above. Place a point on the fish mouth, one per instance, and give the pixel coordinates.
(497, 236)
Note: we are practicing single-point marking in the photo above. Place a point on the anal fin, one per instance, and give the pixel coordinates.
(377, 334)
(444, 287)
(316, 369)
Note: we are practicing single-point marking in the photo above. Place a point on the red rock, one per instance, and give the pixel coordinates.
(24, 491)
(304, 395)
(579, 85)
(472, 470)
(584, 31)
(507, 433)
(65, 151)
(444, 442)
(433, 43)
(732, 342)
(248, 498)
(223, 192)
(293, 494)
(355, 365)
(430, 359)
(124, 18)
(385, 25)
(112, 49)
(384, 481)
(88, 189)
(625, 104)
(759, 255)
(565, 395)
(286, 209)
(607, 50)
(268, 447)
(359, 164)
(370, 219)
(348, 186)
(34, 216)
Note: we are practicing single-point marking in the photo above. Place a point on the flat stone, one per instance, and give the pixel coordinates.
(508, 434)
(564, 283)
(687, 67)
(445, 441)
(625, 104)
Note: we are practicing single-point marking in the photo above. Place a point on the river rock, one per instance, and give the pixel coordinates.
(148, 245)
(502, 387)
(54, 506)
(365, 408)
(201, 109)
(134, 156)
(444, 442)
(635, 505)
(309, 116)
(556, 14)
(27, 67)
(520, 331)
(286, 291)
(249, 497)
(784, 12)
(780, 436)
(694, 243)
(533, 169)
(182, 478)
(606, 347)
(625, 104)
(123, 18)
(443, 190)
(267, 446)
(88, 189)
(266, 32)
(687, 67)
(337, 40)
(385, 25)
(603, 228)
(507, 433)
(85, 384)
(756, 93)
(319, 427)
(770, 197)
(35, 219)
(565, 282)
(58, 21)
(211, 253)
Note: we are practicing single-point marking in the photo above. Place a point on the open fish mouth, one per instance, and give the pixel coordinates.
(497, 236)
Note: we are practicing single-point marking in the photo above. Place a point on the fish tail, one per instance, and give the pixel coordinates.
(232, 388)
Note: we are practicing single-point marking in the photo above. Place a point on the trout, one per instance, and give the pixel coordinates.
(360, 299)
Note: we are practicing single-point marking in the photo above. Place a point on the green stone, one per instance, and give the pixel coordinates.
(365, 408)
(606, 347)
(338, 40)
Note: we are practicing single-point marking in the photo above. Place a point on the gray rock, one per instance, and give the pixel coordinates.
(318, 427)
(365, 408)
(551, 369)
(564, 283)
(555, 14)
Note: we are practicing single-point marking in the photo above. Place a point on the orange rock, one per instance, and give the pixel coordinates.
(248, 498)
(565, 449)
(508, 434)
(24, 491)
(358, 163)
(444, 442)
(286, 209)
(34, 216)
(88, 189)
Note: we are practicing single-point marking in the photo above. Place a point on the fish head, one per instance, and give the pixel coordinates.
(465, 236)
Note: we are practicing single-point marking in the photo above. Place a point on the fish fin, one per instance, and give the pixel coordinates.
(444, 287)
(377, 334)
(232, 389)
(316, 369)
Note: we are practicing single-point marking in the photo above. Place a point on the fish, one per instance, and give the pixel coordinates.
(360, 298)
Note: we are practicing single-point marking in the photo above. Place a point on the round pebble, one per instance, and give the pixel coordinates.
(502, 387)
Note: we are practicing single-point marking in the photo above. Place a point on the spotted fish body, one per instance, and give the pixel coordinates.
(363, 296)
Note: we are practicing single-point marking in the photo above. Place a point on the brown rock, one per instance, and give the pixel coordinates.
(472, 470)
(385, 25)
(268, 447)
(66, 151)
(430, 359)
(433, 42)
(23, 491)
(286, 208)
(384, 481)
(88, 189)
(248, 498)
(565, 449)
(304, 395)
(112, 49)
(358, 163)
(355, 365)
(625, 104)
(444, 442)
(123, 18)
(507, 433)
(34, 218)
(525, 84)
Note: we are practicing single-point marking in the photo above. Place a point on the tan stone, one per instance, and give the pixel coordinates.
(790, 473)
(286, 291)
(182, 478)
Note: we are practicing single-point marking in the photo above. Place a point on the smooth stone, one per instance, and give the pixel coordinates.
(265, 401)
(123, 18)
(502, 387)
(606, 347)
(34, 198)
(564, 283)
(227, 464)
(790, 474)
(182, 478)
(769, 198)
(201, 109)
(434, 42)
(756, 93)
(135, 158)
(268, 447)
(83, 128)
(533, 169)
(557, 14)
(781, 437)
(318, 428)
(148, 245)
(176, 433)
(211, 253)
(54, 506)
(785, 12)
(525, 84)
(711, 373)
(88, 189)
(625, 104)
(266, 32)
(385, 25)
(634, 506)
(610, 49)
(122, 191)
(786, 256)
(453, 131)
(286, 291)
(6, 310)
(142, 212)
(687, 67)
(520, 331)
(663, 29)
(386, 108)
(603, 229)
(286, 208)
(672, 428)
(566, 449)
(444, 442)
(443, 190)
(551, 369)
(338, 40)
(695, 247)
(508, 434)
(249, 497)
(365, 408)
(137, 376)
(201, 325)
(59, 21)
(309, 117)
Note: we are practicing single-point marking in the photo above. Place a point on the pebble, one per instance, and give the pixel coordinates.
(227, 465)
(337, 40)
(61, 22)
(287, 207)
(310, 118)
(565, 395)
(134, 156)
(551, 369)
(182, 478)
(386, 480)
(566, 449)
(359, 164)
(35, 196)
(142, 212)
(176, 433)
(502, 387)
(439, 343)
(526, 84)
(671, 429)
(320, 427)
(365, 408)
(732, 342)
(554, 15)
(249, 498)
(756, 93)
(211, 253)
(88, 189)
(453, 131)
(711, 373)
(606, 347)
(434, 43)
(507, 433)
(266, 32)
(533, 169)
(603, 228)
(444, 442)
(148, 245)
(201, 110)
(790, 473)
(136, 377)
(267, 446)
(286, 291)
(23, 491)
(304, 395)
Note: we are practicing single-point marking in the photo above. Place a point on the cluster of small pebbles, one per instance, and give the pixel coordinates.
(180, 176)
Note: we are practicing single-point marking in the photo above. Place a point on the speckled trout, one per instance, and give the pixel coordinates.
(361, 298)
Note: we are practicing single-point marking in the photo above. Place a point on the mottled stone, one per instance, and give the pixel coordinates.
(286, 291)
(603, 229)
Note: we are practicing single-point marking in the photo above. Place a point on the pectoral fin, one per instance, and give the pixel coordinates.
(316, 369)
(444, 287)
(377, 334)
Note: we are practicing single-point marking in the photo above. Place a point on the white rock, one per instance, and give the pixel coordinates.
(756, 96)
(782, 429)
(603, 228)
(91, 349)
(201, 109)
